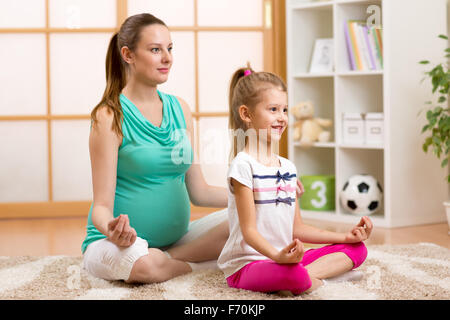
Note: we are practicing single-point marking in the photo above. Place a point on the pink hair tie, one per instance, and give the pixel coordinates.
(247, 72)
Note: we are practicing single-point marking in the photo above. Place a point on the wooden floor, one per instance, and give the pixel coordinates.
(63, 236)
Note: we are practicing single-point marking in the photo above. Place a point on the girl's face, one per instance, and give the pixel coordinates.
(270, 114)
(152, 58)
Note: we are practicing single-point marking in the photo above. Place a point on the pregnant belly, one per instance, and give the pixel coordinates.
(159, 216)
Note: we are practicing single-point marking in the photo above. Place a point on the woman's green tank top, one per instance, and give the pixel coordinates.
(151, 167)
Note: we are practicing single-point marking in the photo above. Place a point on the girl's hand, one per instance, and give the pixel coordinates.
(360, 232)
(293, 253)
(299, 189)
(120, 232)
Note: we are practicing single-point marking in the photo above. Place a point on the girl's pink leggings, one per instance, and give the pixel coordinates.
(269, 276)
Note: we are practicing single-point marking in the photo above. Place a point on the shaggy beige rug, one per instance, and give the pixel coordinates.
(413, 271)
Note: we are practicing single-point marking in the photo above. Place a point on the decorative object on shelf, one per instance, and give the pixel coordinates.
(364, 45)
(374, 126)
(307, 128)
(322, 58)
(438, 117)
(361, 195)
(319, 193)
(363, 128)
(353, 128)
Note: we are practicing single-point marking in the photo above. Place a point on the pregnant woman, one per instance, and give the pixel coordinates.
(144, 172)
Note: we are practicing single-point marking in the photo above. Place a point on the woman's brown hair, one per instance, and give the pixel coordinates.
(116, 67)
(246, 87)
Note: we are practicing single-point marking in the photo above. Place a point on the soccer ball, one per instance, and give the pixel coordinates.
(361, 195)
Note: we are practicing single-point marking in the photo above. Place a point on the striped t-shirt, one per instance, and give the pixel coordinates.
(274, 198)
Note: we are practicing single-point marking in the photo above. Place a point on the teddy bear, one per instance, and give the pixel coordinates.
(308, 129)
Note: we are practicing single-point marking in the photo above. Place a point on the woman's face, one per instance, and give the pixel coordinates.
(152, 58)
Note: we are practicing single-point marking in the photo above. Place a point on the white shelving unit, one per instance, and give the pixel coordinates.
(414, 185)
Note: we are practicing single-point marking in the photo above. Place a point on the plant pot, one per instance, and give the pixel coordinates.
(447, 210)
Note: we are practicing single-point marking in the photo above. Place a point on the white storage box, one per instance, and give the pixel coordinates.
(353, 128)
(374, 128)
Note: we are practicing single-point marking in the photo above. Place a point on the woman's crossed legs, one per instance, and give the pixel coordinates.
(140, 264)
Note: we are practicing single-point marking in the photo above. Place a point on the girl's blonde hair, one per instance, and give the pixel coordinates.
(246, 87)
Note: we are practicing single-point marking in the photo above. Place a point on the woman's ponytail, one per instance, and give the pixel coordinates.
(115, 82)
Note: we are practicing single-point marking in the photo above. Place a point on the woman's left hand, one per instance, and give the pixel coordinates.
(299, 189)
(360, 232)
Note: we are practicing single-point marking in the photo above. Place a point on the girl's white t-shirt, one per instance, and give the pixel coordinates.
(274, 197)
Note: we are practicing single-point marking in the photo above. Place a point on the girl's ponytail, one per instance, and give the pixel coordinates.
(235, 124)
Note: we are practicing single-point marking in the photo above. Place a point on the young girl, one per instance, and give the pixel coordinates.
(264, 251)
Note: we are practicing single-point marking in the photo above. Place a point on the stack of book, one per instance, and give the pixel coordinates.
(365, 45)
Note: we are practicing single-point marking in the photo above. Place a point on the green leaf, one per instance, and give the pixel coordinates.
(433, 122)
(435, 81)
(426, 144)
(443, 36)
(438, 110)
(424, 62)
(444, 162)
(436, 140)
(425, 128)
(442, 99)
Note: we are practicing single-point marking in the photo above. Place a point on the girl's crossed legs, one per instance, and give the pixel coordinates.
(269, 276)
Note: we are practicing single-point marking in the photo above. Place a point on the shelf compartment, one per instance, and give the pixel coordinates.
(307, 25)
(315, 161)
(349, 10)
(360, 161)
(318, 90)
(360, 93)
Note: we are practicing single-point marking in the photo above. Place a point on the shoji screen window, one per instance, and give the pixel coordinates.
(77, 82)
(52, 76)
(23, 102)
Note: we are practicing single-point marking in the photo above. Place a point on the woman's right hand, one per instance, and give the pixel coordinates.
(293, 253)
(120, 232)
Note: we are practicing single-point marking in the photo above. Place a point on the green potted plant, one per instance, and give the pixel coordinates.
(438, 116)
